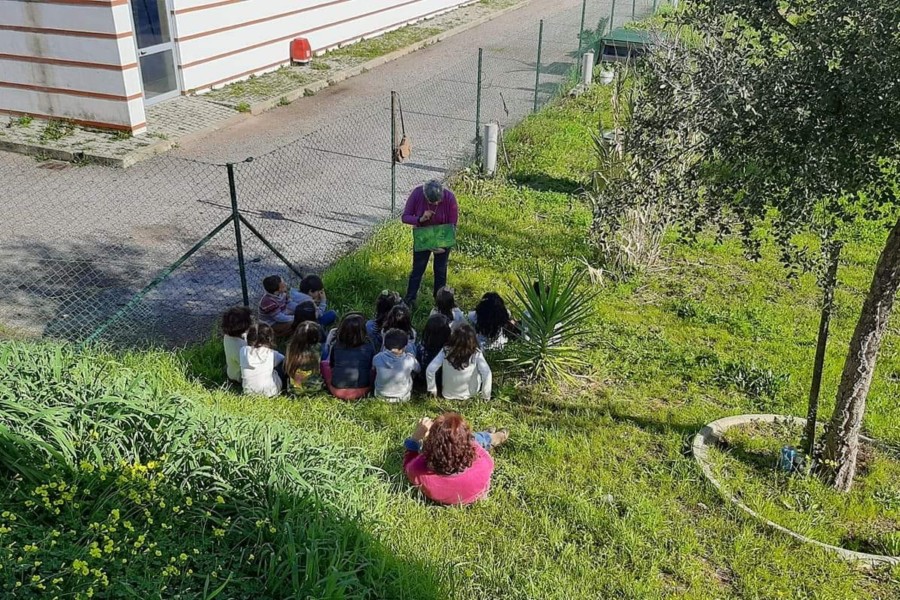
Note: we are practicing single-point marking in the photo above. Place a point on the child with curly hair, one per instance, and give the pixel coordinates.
(449, 463)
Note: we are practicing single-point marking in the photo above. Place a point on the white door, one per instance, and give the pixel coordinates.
(156, 51)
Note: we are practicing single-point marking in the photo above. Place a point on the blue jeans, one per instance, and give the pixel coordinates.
(328, 318)
(420, 263)
(483, 439)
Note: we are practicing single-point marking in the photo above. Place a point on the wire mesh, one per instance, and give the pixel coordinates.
(79, 244)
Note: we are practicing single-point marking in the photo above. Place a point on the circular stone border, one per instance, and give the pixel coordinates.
(711, 435)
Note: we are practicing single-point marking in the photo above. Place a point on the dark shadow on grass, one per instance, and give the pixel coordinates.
(540, 182)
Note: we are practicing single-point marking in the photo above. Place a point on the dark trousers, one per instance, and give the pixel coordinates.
(420, 263)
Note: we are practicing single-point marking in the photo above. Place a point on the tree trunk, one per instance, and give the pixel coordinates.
(842, 436)
(812, 413)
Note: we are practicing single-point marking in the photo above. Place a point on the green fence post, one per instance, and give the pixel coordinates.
(537, 69)
(581, 27)
(271, 248)
(478, 109)
(393, 155)
(633, 7)
(654, 6)
(232, 189)
(612, 16)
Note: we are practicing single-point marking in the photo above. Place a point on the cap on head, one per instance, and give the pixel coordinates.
(434, 191)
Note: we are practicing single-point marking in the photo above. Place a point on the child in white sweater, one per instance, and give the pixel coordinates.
(259, 361)
(235, 323)
(464, 370)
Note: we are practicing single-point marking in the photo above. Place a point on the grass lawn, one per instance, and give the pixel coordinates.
(595, 495)
(867, 519)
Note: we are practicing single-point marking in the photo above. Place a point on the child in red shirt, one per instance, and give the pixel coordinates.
(447, 462)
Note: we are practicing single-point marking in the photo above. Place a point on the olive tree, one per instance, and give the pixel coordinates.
(783, 115)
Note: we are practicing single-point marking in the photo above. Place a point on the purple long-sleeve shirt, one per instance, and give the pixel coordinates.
(446, 212)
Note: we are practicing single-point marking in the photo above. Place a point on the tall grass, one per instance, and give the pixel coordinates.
(273, 507)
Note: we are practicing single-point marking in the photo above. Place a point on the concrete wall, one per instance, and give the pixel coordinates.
(220, 41)
(72, 59)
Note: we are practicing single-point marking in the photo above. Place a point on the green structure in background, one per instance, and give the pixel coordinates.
(622, 45)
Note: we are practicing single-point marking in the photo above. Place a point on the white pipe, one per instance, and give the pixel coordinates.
(489, 148)
(587, 68)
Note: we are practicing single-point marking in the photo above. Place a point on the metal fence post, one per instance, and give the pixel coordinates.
(654, 6)
(393, 155)
(581, 28)
(537, 69)
(239, 244)
(612, 16)
(633, 7)
(478, 109)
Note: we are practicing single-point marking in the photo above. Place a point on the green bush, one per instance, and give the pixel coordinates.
(87, 444)
(554, 313)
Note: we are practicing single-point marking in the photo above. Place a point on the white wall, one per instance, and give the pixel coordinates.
(222, 41)
(70, 60)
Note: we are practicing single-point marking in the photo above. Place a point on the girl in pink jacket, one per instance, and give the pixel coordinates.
(449, 463)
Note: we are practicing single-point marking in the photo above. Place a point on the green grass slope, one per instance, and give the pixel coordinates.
(594, 496)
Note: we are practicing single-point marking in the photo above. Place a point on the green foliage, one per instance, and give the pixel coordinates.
(752, 380)
(242, 107)
(858, 520)
(24, 121)
(553, 315)
(57, 130)
(89, 442)
(593, 496)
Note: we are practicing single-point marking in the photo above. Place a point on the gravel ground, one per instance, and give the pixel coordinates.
(77, 242)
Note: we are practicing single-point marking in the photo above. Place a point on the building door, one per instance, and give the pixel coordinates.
(156, 51)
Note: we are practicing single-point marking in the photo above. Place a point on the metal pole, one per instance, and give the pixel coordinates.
(478, 109)
(537, 69)
(237, 233)
(654, 6)
(272, 248)
(821, 342)
(612, 15)
(159, 279)
(393, 148)
(581, 28)
(633, 3)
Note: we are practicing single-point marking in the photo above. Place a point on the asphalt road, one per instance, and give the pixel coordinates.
(77, 243)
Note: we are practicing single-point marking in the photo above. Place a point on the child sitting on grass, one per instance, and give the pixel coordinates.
(383, 304)
(492, 322)
(445, 304)
(276, 307)
(348, 369)
(306, 313)
(394, 368)
(302, 365)
(235, 323)
(434, 338)
(447, 462)
(313, 290)
(400, 318)
(464, 371)
(259, 361)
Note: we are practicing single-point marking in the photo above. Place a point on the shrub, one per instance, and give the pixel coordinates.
(554, 313)
(87, 443)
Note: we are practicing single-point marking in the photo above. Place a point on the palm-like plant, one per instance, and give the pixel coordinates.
(554, 313)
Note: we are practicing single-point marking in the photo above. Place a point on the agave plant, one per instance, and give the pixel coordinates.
(554, 312)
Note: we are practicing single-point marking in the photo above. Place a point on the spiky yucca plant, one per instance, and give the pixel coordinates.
(554, 311)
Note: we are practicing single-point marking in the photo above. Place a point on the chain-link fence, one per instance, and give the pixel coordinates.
(154, 254)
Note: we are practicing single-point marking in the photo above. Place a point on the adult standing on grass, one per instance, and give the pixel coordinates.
(429, 205)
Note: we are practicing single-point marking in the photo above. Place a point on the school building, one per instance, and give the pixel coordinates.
(101, 62)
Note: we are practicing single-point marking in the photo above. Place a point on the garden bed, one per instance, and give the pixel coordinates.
(743, 461)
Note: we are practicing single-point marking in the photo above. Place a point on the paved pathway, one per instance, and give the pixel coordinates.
(82, 240)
